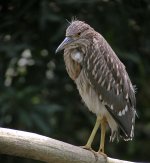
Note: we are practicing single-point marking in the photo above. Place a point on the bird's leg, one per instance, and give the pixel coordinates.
(91, 138)
(103, 130)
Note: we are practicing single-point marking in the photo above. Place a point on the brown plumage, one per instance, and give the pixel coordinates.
(101, 79)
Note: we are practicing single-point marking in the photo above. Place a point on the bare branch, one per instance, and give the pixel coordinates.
(34, 146)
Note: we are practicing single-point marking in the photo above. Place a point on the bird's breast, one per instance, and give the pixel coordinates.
(89, 95)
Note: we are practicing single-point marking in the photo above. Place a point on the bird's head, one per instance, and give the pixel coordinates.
(75, 34)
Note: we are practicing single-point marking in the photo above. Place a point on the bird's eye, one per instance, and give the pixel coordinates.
(78, 34)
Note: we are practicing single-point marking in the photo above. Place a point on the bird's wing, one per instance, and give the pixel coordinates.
(108, 77)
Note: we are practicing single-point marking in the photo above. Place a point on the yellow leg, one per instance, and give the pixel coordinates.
(102, 141)
(91, 138)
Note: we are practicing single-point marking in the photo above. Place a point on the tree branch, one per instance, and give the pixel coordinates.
(37, 147)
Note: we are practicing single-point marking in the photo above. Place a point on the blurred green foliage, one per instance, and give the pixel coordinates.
(36, 94)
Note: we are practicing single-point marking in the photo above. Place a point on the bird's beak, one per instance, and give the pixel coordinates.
(65, 42)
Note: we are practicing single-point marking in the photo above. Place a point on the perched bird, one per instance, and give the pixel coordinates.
(102, 81)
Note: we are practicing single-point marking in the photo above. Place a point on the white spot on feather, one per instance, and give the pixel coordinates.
(95, 76)
(93, 72)
(117, 66)
(111, 60)
(126, 108)
(120, 113)
(92, 55)
(121, 81)
(103, 82)
(123, 112)
(117, 91)
(111, 107)
(107, 72)
(88, 64)
(100, 97)
(132, 131)
(126, 96)
(108, 88)
(117, 73)
(100, 79)
(113, 66)
(77, 56)
(95, 60)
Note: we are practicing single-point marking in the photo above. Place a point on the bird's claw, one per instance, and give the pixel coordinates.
(102, 153)
(86, 147)
(90, 149)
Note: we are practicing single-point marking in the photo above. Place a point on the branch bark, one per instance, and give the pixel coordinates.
(37, 147)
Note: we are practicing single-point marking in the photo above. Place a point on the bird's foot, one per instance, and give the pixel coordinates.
(90, 149)
(102, 153)
(87, 147)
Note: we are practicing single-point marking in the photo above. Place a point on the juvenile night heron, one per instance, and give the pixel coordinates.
(102, 81)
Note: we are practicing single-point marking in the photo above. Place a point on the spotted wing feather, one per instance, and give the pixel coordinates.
(108, 76)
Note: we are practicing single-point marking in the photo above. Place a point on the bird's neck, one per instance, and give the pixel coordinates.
(72, 62)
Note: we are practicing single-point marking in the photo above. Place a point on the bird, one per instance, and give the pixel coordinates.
(102, 81)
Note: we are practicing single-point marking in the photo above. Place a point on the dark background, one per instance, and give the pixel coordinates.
(36, 94)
